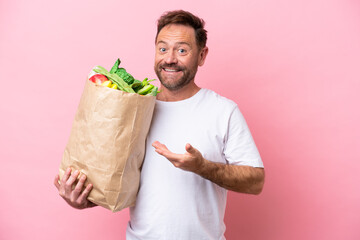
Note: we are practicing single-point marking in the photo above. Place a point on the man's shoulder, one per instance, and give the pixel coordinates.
(217, 100)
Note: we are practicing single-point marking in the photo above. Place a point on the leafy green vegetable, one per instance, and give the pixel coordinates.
(122, 85)
(116, 66)
(121, 72)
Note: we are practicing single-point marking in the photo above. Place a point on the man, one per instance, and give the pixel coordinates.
(201, 146)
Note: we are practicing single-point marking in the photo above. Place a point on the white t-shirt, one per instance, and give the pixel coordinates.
(176, 204)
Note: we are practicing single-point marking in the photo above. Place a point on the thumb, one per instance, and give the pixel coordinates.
(190, 149)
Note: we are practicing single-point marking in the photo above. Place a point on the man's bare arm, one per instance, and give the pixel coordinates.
(244, 179)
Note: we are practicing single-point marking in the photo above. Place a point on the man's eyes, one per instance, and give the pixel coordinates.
(180, 50)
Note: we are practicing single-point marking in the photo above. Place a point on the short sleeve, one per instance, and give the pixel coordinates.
(240, 148)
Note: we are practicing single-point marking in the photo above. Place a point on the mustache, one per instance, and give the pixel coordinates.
(173, 66)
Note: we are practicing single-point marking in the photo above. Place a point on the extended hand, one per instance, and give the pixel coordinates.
(192, 160)
(75, 197)
(244, 179)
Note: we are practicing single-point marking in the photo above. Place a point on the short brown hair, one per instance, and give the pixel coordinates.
(184, 18)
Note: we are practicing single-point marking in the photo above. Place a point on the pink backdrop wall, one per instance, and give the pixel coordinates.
(293, 67)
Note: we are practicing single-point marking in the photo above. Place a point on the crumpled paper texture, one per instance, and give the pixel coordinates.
(107, 143)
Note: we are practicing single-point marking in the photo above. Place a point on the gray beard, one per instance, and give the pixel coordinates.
(173, 86)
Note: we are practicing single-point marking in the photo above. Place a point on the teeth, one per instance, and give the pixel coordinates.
(170, 70)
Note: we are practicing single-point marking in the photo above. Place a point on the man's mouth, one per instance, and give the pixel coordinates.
(171, 70)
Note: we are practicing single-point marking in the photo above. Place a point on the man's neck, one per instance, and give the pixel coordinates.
(183, 93)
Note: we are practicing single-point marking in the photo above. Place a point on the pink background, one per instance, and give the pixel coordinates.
(293, 67)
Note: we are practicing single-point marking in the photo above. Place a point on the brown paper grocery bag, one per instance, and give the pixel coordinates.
(107, 143)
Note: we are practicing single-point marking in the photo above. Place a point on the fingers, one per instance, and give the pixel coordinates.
(158, 145)
(72, 190)
(56, 181)
(71, 180)
(78, 188)
(168, 154)
(83, 196)
(65, 186)
(63, 181)
(160, 148)
(163, 150)
(191, 160)
(66, 176)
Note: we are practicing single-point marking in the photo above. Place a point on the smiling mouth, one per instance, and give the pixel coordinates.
(171, 70)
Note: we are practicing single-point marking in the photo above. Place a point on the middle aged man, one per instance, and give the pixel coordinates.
(198, 147)
(185, 197)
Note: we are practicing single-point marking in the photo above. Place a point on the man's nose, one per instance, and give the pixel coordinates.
(171, 58)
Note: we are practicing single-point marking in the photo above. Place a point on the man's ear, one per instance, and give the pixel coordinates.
(202, 56)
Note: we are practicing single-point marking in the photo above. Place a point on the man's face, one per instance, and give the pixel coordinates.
(177, 56)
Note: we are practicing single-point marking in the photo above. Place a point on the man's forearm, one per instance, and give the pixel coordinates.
(244, 179)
